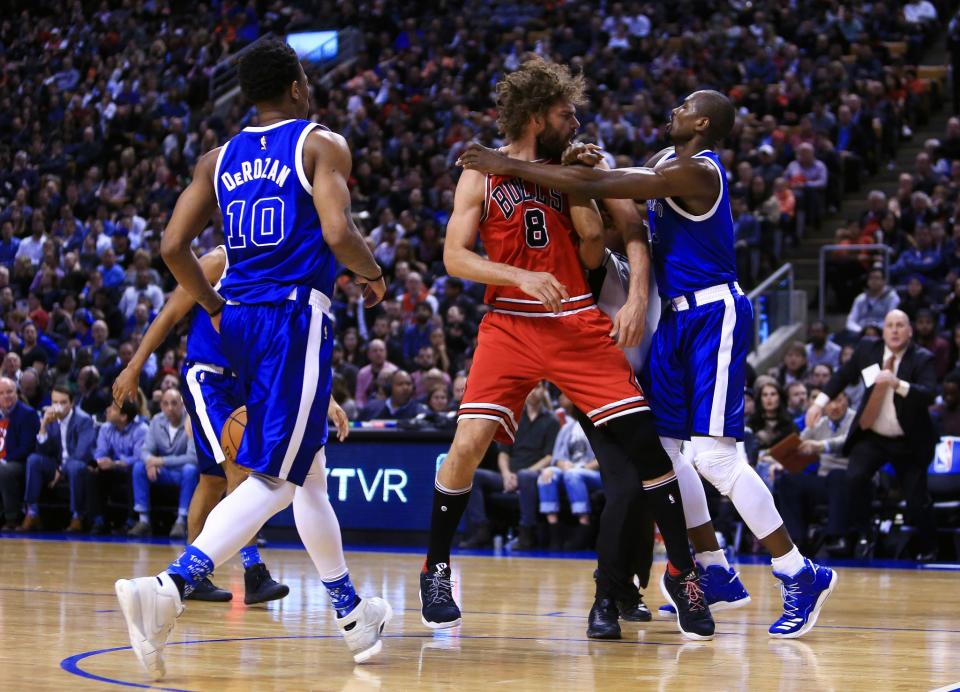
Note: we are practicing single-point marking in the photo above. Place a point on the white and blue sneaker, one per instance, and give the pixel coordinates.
(803, 596)
(721, 587)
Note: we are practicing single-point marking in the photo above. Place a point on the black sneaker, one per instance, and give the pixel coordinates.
(260, 587)
(634, 611)
(683, 592)
(206, 590)
(602, 622)
(438, 610)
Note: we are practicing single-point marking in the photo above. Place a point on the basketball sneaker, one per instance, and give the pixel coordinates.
(803, 596)
(634, 611)
(206, 590)
(438, 610)
(602, 623)
(361, 627)
(260, 587)
(151, 606)
(686, 596)
(721, 587)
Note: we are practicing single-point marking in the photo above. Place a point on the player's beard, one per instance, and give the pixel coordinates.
(551, 144)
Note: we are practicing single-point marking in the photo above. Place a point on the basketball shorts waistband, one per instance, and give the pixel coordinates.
(704, 296)
(524, 307)
(302, 294)
(208, 367)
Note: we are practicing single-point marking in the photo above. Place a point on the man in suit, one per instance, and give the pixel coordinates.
(892, 424)
(102, 354)
(18, 428)
(64, 447)
(399, 404)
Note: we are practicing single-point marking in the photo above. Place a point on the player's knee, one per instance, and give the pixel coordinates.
(717, 460)
(470, 443)
(636, 435)
(281, 491)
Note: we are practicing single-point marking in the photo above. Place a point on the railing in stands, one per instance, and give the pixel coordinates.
(769, 299)
(339, 48)
(861, 247)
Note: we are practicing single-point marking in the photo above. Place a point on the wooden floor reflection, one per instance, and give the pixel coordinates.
(524, 621)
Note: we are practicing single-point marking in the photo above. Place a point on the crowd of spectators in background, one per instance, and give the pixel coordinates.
(104, 112)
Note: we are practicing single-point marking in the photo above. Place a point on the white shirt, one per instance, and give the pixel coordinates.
(64, 426)
(887, 423)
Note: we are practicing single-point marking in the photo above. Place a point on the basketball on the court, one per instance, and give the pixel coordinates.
(232, 434)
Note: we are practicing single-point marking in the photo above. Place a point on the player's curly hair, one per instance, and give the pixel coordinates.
(267, 70)
(532, 90)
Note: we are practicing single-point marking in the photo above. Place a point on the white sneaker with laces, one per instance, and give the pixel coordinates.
(151, 606)
(362, 627)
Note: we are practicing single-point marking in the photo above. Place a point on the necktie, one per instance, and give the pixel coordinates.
(872, 409)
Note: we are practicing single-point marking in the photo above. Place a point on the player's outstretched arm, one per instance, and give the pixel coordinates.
(676, 178)
(331, 197)
(589, 227)
(175, 309)
(462, 261)
(195, 206)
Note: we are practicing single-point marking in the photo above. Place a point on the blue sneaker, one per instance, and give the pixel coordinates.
(803, 596)
(721, 587)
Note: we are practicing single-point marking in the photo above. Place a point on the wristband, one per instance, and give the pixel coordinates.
(218, 310)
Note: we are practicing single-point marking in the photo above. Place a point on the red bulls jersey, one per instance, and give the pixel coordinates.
(529, 227)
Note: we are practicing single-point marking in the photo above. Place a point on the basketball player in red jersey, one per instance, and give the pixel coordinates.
(544, 324)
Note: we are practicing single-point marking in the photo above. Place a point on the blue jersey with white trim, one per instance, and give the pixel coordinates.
(273, 236)
(692, 252)
(203, 341)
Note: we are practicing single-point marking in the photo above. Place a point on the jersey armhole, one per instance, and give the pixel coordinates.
(298, 158)
(216, 171)
(701, 217)
(486, 198)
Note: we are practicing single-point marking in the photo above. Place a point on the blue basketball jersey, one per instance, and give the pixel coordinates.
(692, 252)
(273, 235)
(203, 342)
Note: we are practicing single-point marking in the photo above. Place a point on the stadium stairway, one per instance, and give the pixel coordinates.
(806, 256)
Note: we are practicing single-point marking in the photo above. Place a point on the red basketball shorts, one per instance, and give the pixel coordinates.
(574, 352)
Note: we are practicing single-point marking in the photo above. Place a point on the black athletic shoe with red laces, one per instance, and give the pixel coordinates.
(684, 593)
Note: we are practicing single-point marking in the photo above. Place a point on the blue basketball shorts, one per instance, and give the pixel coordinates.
(210, 395)
(696, 370)
(282, 355)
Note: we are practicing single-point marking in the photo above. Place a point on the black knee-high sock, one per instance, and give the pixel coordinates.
(666, 505)
(448, 508)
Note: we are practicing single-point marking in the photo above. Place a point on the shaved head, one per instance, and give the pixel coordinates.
(716, 107)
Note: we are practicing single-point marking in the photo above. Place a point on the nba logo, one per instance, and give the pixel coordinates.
(946, 460)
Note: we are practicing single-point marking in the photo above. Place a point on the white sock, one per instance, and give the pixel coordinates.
(755, 504)
(695, 509)
(181, 517)
(789, 564)
(712, 557)
(317, 523)
(239, 515)
(145, 517)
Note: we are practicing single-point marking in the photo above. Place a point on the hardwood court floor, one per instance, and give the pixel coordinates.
(523, 630)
